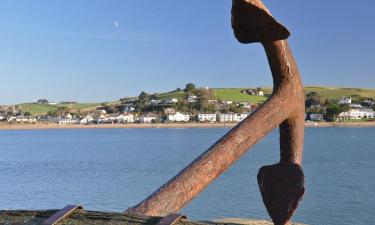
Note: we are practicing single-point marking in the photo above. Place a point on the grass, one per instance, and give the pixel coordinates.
(41, 109)
(333, 93)
(77, 105)
(174, 94)
(236, 95)
(37, 109)
(337, 92)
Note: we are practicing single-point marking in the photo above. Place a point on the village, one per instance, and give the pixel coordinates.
(196, 106)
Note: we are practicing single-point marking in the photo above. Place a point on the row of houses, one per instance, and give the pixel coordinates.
(200, 117)
(222, 117)
(358, 113)
(19, 119)
(352, 114)
(130, 118)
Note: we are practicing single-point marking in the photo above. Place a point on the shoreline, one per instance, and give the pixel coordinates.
(42, 126)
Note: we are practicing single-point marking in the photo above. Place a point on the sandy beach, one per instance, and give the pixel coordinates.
(42, 126)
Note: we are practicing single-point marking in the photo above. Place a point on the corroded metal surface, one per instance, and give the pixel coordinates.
(252, 22)
(282, 187)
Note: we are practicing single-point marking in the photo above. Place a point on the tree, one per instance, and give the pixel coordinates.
(42, 101)
(143, 96)
(27, 113)
(190, 87)
(333, 110)
(313, 98)
(234, 108)
(62, 110)
(312, 94)
(178, 89)
(203, 96)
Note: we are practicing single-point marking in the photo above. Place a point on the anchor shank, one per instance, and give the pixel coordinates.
(287, 84)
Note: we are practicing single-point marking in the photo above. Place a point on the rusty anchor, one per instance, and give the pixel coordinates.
(282, 184)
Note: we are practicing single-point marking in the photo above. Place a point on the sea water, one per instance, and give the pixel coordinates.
(113, 169)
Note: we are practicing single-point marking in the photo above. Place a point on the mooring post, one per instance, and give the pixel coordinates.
(282, 184)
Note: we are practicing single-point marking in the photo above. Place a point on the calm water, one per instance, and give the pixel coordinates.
(112, 169)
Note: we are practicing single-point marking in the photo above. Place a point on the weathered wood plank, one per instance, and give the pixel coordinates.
(80, 217)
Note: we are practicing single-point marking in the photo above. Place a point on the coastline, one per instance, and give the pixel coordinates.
(43, 126)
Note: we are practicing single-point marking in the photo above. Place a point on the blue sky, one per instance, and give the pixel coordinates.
(93, 51)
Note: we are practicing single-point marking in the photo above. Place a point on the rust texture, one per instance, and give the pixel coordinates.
(281, 185)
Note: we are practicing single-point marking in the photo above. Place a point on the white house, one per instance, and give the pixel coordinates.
(87, 120)
(12, 119)
(154, 102)
(316, 117)
(104, 119)
(212, 101)
(246, 105)
(355, 105)
(63, 121)
(207, 117)
(226, 102)
(125, 118)
(170, 101)
(192, 98)
(128, 108)
(102, 111)
(260, 93)
(169, 111)
(344, 100)
(22, 119)
(356, 114)
(68, 119)
(148, 118)
(178, 117)
(232, 117)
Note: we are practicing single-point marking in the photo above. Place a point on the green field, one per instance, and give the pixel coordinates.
(338, 92)
(235, 94)
(37, 109)
(41, 109)
(174, 94)
(333, 93)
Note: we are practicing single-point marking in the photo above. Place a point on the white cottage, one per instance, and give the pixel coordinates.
(356, 114)
(125, 118)
(179, 117)
(207, 117)
(232, 117)
(87, 120)
(148, 118)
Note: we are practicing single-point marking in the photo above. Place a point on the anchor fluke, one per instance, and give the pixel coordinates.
(252, 22)
(282, 188)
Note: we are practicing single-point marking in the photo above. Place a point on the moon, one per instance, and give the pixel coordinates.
(116, 24)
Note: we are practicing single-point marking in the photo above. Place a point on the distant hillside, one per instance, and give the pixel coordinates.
(41, 109)
(337, 92)
(234, 94)
(332, 93)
